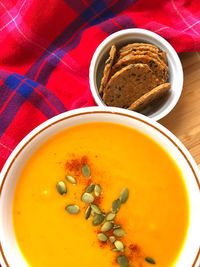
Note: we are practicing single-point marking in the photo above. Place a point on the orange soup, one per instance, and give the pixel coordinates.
(153, 218)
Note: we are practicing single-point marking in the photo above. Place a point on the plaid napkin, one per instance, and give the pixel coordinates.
(46, 48)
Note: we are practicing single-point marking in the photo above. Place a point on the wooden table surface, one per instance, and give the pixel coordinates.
(184, 119)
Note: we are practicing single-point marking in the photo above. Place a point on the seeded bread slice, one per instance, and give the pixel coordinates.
(148, 53)
(155, 94)
(161, 54)
(107, 69)
(129, 84)
(159, 70)
(134, 45)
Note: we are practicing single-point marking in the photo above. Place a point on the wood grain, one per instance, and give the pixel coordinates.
(184, 119)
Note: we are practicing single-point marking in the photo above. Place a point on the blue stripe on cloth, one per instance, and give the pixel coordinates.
(12, 82)
(32, 83)
(87, 14)
(60, 41)
(49, 95)
(15, 104)
(25, 90)
(10, 112)
(52, 62)
(117, 7)
(39, 102)
(5, 93)
(109, 27)
(19, 76)
(78, 6)
(98, 5)
(48, 68)
(24, 93)
(52, 98)
(105, 13)
(95, 21)
(125, 21)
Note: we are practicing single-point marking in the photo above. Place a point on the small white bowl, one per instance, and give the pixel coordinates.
(123, 37)
(10, 254)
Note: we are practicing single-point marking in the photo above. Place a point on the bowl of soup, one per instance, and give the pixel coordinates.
(100, 187)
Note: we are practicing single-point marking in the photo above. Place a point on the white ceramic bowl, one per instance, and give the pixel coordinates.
(11, 255)
(123, 37)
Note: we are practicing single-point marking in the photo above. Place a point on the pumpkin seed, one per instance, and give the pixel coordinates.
(102, 237)
(119, 232)
(124, 195)
(88, 212)
(87, 198)
(117, 226)
(71, 179)
(86, 171)
(112, 239)
(61, 187)
(115, 206)
(97, 190)
(72, 209)
(92, 213)
(116, 250)
(98, 219)
(90, 188)
(119, 245)
(107, 226)
(110, 216)
(123, 261)
(95, 209)
(150, 260)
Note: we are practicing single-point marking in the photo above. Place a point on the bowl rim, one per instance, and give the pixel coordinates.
(97, 110)
(160, 40)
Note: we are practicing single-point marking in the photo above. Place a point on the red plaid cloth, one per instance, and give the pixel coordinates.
(46, 48)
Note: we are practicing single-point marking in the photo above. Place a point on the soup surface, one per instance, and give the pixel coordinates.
(155, 216)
